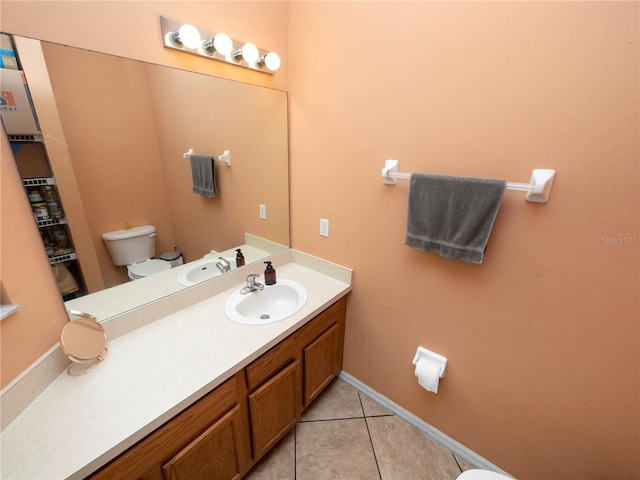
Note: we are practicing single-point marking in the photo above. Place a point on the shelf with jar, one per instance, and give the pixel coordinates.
(50, 219)
(57, 244)
(44, 201)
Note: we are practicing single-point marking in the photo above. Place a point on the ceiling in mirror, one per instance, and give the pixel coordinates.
(116, 131)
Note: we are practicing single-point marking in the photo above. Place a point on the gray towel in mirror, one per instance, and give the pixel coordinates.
(204, 175)
(452, 216)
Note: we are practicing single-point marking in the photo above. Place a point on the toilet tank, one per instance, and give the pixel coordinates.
(127, 247)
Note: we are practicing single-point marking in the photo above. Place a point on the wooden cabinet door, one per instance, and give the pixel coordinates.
(275, 408)
(322, 362)
(144, 460)
(211, 456)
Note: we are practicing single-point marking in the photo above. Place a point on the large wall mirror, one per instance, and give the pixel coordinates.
(127, 125)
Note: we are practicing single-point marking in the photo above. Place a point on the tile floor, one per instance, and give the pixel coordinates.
(345, 435)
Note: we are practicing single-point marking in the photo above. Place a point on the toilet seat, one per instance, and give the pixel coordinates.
(147, 267)
(476, 474)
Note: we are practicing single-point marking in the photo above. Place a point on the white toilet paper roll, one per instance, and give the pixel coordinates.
(428, 373)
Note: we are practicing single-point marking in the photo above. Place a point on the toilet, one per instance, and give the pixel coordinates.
(135, 248)
(476, 474)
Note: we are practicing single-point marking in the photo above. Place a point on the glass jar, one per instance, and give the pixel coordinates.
(35, 196)
(40, 211)
(50, 194)
(54, 209)
(59, 236)
(51, 197)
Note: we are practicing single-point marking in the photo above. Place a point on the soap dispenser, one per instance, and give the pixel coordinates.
(269, 274)
(239, 258)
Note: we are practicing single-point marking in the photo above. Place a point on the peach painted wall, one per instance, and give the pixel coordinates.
(132, 31)
(542, 338)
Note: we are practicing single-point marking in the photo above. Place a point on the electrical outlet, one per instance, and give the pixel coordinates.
(263, 212)
(324, 227)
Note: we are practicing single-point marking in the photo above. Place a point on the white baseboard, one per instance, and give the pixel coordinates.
(447, 442)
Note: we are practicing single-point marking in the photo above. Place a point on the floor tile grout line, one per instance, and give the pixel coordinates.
(455, 459)
(330, 419)
(346, 418)
(366, 423)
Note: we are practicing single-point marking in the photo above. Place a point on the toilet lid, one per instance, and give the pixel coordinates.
(148, 267)
(476, 474)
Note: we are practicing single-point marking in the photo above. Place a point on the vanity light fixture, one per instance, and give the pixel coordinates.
(217, 46)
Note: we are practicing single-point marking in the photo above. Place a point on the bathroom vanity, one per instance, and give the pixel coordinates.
(189, 392)
(225, 433)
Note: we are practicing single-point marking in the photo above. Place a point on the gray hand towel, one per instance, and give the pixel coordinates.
(204, 175)
(452, 216)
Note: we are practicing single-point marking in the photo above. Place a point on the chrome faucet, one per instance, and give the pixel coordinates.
(252, 285)
(223, 265)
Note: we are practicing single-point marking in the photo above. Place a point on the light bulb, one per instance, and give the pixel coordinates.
(222, 43)
(250, 52)
(272, 61)
(189, 36)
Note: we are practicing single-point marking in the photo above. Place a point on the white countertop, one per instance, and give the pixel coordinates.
(78, 424)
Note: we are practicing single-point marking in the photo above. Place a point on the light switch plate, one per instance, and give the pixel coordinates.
(324, 227)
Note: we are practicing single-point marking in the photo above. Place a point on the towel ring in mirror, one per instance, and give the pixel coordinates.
(84, 341)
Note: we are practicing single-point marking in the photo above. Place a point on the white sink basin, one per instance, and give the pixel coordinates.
(200, 271)
(274, 303)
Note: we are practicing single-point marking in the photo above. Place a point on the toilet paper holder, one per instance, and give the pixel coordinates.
(428, 354)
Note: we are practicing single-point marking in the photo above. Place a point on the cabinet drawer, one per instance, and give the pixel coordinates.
(268, 364)
(322, 322)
